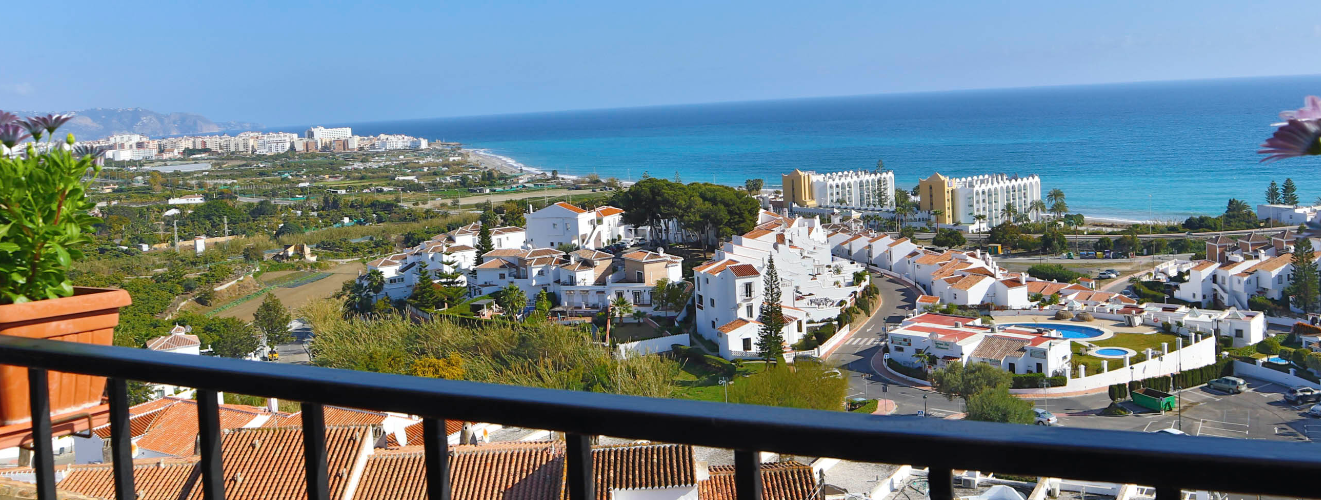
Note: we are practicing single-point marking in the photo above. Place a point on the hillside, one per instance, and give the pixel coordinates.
(101, 122)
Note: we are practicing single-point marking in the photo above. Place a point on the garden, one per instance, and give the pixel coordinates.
(1135, 341)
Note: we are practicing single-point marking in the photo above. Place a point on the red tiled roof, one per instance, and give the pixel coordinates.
(607, 211)
(969, 281)
(268, 463)
(495, 264)
(571, 208)
(153, 479)
(714, 267)
(645, 256)
(779, 481)
(735, 325)
(173, 341)
(542, 252)
(927, 299)
(504, 471)
(744, 270)
(174, 432)
(756, 233)
(335, 415)
(633, 467)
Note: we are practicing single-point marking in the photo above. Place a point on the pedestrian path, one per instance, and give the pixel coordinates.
(863, 341)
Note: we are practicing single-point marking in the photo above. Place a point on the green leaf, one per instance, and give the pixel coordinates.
(8, 247)
(62, 256)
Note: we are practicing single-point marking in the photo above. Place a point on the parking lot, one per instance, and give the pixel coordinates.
(1258, 413)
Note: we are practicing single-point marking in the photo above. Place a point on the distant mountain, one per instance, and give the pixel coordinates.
(101, 122)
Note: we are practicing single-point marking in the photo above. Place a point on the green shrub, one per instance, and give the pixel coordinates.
(1269, 346)
(720, 364)
(1285, 353)
(824, 333)
(807, 343)
(1118, 392)
(1053, 272)
(1259, 303)
(907, 371)
(1027, 380)
(1299, 357)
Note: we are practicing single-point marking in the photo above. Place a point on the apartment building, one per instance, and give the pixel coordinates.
(729, 289)
(958, 201)
(856, 189)
(324, 136)
(564, 223)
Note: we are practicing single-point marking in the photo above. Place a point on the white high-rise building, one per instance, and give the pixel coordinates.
(324, 136)
(988, 194)
(854, 189)
(276, 143)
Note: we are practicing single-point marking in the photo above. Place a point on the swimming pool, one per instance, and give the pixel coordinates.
(1068, 331)
(1278, 360)
(1113, 351)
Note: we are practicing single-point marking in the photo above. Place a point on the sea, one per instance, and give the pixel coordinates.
(1137, 151)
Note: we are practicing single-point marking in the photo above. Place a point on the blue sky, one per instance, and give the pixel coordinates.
(297, 63)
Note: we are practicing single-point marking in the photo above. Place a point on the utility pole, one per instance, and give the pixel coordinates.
(176, 235)
(226, 219)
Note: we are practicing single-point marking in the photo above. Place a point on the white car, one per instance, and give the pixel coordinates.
(1315, 411)
(1171, 430)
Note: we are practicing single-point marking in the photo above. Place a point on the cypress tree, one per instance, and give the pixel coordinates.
(770, 341)
(1273, 194)
(1290, 194)
(1305, 284)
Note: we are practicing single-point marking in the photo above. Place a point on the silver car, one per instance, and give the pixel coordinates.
(1045, 418)
(1315, 411)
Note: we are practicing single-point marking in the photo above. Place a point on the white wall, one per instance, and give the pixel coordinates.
(652, 346)
(1257, 371)
(1193, 356)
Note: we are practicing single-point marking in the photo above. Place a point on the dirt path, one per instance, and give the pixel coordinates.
(293, 298)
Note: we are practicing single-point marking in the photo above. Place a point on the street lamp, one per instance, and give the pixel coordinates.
(924, 406)
(724, 382)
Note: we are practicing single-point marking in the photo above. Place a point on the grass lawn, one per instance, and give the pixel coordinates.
(630, 332)
(868, 408)
(702, 383)
(1135, 341)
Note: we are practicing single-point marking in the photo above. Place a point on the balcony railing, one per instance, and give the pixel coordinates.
(1169, 463)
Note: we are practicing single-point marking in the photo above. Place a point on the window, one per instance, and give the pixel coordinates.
(1011, 368)
(1238, 332)
(619, 294)
(637, 297)
(698, 284)
(554, 225)
(699, 299)
(747, 290)
(1039, 368)
(898, 349)
(502, 275)
(541, 272)
(800, 327)
(749, 310)
(713, 323)
(397, 280)
(638, 276)
(713, 301)
(747, 344)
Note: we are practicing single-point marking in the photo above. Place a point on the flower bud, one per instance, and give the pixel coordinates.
(69, 139)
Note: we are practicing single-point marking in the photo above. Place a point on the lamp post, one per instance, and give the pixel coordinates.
(924, 406)
(724, 383)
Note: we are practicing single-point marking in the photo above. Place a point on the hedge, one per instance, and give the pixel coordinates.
(1269, 346)
(906, 371)
(824, 333)
(1118, 392)
(1033, 381)
(721, 364)
(1186, 378)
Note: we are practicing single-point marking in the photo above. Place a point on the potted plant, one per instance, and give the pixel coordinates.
(44, 221)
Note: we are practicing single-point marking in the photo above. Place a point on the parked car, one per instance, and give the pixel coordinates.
(1106, 275)
(1170, 430)
(1128, 293)
(1045, 418)
(1315, 411)
(1232, 385)
(1302, 395)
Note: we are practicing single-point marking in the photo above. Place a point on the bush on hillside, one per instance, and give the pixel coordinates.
(1269, 346)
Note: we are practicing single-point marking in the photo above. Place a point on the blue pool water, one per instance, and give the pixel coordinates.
(1277, 360)
(1112, 351)
(1068, 331)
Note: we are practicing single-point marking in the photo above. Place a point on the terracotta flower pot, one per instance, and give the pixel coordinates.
(88, 317)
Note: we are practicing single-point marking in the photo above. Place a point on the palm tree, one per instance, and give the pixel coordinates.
(1037, 207)
(934, 215)
(1009, 212)
(901, 211)
(1055, 195)
(980, 218)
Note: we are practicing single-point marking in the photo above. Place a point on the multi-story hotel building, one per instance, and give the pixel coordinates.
(323, 136)
(850, 189)
(961, 200)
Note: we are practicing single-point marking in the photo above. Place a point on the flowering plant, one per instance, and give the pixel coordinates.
(43, 208)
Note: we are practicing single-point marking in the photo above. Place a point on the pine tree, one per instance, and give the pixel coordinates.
(1305, 285)
(770, 341)
(273, 319)
(1290, 194)
(484, 244)
(1273, 194)
(424, 292)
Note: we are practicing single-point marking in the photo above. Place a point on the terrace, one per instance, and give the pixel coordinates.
(1168, 463)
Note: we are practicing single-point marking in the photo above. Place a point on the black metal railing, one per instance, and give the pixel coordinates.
(1169, 463)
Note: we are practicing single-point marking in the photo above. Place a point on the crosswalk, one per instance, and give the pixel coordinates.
(862, 341)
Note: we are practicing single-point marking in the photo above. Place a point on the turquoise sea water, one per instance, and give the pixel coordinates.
(1134, 151)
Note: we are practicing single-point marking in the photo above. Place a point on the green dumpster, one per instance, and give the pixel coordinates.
(1153, 399)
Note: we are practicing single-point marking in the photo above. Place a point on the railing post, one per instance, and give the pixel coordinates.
(208, 435)
(747, 475)
(43, 459)
(121, 439)
(314, 451)
(940, 483)
(435, 443)
(579, 474)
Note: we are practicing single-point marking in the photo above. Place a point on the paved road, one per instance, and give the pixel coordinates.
(854, 355)
(296, 352)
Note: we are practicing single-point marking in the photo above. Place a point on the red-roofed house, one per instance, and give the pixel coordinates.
(952, 339)
(564, 223)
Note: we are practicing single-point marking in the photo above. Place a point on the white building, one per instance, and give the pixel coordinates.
(323, 136)
(188, 199)
(954, 339)
(1289, 215)
(386, 142)
(179, 341)
(564, 223)
(275, 143)
(988, 194)
(858, 189)
(728, 289)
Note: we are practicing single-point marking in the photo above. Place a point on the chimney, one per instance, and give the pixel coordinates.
(272, 405)
(660, 250)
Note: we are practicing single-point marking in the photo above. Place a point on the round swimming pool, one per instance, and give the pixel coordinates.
(1113, 351)
(1067, 330)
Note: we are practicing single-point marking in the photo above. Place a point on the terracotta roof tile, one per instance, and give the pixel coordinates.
(607, 211)
(969, 281)
(495, 264)
(744, 270)
(268, 463)
(335, 415)
(779, 481)
(927, 299)
(645, 256)
(153, 479)
(633, 467)
(462, 248)
(1203, 265)
(714, 266)
(542, 252)
(898, 241)
(506, 252)
(729, 327)
(174, 432)
(756, 233)
(997, 347)
(514, 471)
(571, 208)
(173, 341)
